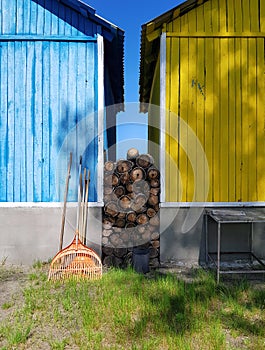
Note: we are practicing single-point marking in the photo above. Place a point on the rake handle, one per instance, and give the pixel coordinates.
(65, 200)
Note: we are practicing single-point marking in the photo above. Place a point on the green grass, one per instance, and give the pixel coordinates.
(125, 310)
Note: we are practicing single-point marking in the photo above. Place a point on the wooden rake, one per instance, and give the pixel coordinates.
(77, 261)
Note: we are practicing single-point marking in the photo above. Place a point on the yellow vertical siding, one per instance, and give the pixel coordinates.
(215, 83)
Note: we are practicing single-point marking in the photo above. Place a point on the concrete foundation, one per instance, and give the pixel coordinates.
(31, 233)
(183, 236)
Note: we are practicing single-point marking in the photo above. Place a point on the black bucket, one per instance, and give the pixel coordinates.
(140, 260)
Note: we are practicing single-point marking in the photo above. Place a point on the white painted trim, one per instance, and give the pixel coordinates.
(163, 115)
(101, 105)
(46, 204)
(211, 204)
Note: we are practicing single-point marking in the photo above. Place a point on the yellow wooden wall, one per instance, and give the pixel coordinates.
(215, 83)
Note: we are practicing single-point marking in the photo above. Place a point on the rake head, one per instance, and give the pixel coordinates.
(75, 261)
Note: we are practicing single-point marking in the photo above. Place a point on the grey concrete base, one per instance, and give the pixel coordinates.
(29, 234)
(183, 236)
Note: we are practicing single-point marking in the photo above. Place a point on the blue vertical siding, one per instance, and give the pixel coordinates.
(47, 92)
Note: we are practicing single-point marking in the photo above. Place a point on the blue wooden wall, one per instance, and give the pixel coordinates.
(48, 85)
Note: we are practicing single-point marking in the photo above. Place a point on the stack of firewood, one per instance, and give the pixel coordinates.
(131, 209)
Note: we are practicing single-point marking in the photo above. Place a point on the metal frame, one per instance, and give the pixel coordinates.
(209, 255)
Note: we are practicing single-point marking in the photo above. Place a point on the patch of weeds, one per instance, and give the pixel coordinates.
(58, 344)
(7, 305)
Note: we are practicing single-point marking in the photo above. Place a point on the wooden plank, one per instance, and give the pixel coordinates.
(26, 17)
(19, 13)
(63, 110)
(246, 15)
(209, 97)
(230, 16)
(40, 20)
(245, 111)
(174, 176)
(216, 93)
(38, 127)
(54, 116)
(30, 67)
(260, 121)
(167, 131)
(252, 120)
(3, 122)
(47, 29)
(254, 16)
(18, 118)
(11, 122)
(223, 124)
(45, 195)
(262, 16)
(192, 106)
(216, 34)
(238, 17)
(232, 67)
(199, 181)
(238, 121)
(201, 96)
(33, 17)
(223, 16)
(8, 12)
(23, 116)
(184, 93)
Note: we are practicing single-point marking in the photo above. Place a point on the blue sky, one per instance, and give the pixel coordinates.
(129, 16)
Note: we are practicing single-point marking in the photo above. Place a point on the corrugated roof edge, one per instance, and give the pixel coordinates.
(149, 50)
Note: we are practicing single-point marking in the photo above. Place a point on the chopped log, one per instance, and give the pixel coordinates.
(115, 180)
(131, 216)
(124, 166)
(138, 202)
(119, 191)
(132, 154)
(125, 178)
(109, 166)
(153, 200)
(154, 262)
(105, 241)
(153, 253)
(141, 187)
(108, 180)
(115, 240)
(151, 212)
(155, 191)
(107, 250)
(137, 174)
(108, 223)
(154, 221)
(141, 210)
(155, 244)
(155, 183)
(111, 209)
(125, 202)
(142, 219)
(153, 173)
(129, 187)
(119, 252)
(112, 260)
(130, 226)
(120, 222)
(144, 160)
(107, 190)
(155, 236)
(106, 233)
(121, 215)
